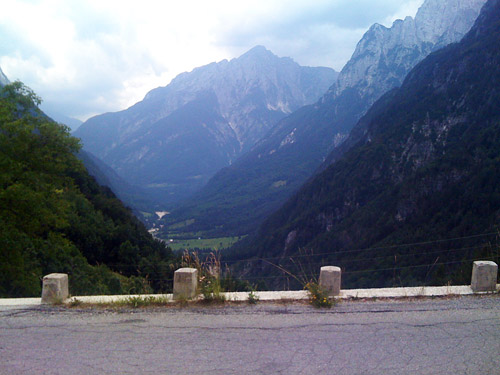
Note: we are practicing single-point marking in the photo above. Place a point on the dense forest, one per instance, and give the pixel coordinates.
(54, 217)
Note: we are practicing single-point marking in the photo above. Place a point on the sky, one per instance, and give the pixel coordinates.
(89, 57)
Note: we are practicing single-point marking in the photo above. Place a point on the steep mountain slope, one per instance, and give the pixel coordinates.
(174, 140)
(136, 197)
(103, 174)
(424, 166)
(54, 217)
(71, 122)
(239, 197)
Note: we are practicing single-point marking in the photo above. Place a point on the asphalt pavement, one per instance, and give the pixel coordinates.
(417, 336)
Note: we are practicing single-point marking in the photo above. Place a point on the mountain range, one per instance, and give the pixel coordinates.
(400, 159)
(180, 135)
(416, 197)
(239, 197)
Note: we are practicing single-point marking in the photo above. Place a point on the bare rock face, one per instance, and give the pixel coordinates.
(303, 141)
(279, 84)
(181, 134)
(422, 167)
(384, 56)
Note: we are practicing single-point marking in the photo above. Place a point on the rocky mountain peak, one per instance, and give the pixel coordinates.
(210, 115)
(258, 52)
(298, 145)
(420, 170)
(253, 91)
(385, 55)
(436, 18)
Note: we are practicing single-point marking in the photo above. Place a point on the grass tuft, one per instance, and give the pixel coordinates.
(253, 298)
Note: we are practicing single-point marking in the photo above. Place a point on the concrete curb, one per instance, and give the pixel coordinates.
(441, 291)
(20, 301)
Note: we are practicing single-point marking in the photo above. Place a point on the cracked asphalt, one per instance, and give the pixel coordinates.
(438, 336)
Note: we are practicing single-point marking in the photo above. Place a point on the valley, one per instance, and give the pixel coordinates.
(200, 123)
(388, 169)
(239, 197)
(200, 244)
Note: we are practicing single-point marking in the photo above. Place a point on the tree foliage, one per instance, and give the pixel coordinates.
(54, 217)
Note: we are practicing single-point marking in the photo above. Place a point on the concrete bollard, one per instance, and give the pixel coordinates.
(329, 280)
(55, 288)
(185, 283)
(484, 276)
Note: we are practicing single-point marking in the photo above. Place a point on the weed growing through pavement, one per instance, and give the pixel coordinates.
(74, 302)
(144, 301)
(57, 301)
(318, 297)
(253, 298)
(209, 283)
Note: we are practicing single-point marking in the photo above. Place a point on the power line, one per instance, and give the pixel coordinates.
(417, 266)
(305, 275)
(292, 258)
(365, 249)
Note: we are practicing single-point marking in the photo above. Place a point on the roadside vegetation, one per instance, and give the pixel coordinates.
(54, 217)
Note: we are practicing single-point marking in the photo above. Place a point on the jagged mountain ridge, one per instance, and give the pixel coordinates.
(181, 134)
(281, 162)
(423, 166)
(286, 87)
(385, 55)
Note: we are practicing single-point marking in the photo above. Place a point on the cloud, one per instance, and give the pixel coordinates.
(89, 57)
(319, 33)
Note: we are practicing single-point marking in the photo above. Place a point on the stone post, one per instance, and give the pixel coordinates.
(484, 276)
(55, 288)
(185, 283)
(329, 280)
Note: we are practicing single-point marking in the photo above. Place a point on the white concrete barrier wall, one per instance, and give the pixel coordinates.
(55, 285)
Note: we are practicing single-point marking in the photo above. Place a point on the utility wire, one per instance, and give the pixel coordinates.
(294, 257)
(368, 248)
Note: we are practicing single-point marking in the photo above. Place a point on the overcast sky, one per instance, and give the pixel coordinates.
(88, 57)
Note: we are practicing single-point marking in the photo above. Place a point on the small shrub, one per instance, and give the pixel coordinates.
(211, 290)
(253, 298)
(209, 281)
(318, 298)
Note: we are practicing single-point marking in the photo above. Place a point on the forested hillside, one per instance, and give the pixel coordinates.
(417, 197)
(54, 217)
